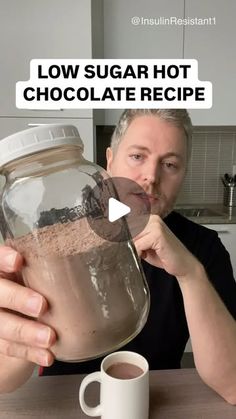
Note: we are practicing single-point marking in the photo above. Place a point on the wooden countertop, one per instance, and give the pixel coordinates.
(174, 394)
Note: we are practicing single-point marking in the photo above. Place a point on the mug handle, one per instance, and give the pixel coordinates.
(90, 411)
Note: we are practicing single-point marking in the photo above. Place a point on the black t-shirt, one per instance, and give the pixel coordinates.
(165, 334)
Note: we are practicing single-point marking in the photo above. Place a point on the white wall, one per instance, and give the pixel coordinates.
(122, 39)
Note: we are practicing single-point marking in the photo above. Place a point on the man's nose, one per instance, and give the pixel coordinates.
(152, 174)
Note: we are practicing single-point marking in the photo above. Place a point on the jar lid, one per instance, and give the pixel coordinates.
(38, 138)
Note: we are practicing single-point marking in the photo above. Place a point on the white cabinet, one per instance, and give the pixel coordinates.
(227, 234)
(124, 39)
(45, 29)
(214, 48)
(54, 29)
(212, 45)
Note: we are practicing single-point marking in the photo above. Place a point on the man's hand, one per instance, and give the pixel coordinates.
(21, 336)
(157, 245)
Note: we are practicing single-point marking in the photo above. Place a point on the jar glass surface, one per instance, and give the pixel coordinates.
(97, 294)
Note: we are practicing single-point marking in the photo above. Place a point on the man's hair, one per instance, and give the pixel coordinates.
(177, 117)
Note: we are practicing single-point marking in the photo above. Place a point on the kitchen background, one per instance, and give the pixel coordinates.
(104, 29)
(213, 154)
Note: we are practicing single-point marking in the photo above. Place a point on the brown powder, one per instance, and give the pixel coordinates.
(58, 239)
(96, 297)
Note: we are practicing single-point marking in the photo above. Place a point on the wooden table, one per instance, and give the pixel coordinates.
(173, 394)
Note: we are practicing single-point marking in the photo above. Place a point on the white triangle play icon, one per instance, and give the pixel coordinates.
(116, 209)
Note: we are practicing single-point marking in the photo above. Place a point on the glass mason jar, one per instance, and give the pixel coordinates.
(98, 299)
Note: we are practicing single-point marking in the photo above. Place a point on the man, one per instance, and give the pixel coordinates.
(192, 291)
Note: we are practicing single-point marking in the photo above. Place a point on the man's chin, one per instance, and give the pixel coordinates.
(163, 212)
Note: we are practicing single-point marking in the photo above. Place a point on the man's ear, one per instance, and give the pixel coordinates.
(109, 157)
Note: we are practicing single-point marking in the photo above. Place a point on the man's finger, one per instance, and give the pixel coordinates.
(10, 260)
(38, 356)
(25, 331)
(16, 297)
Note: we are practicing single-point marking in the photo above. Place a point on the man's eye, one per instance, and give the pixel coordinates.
(170, 165)
(136, 157)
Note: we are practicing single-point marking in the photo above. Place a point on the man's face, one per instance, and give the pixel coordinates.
(153, 153)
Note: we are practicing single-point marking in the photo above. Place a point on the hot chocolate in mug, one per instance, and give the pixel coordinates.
(124, 387)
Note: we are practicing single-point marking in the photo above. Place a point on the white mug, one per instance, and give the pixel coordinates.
(120, 398)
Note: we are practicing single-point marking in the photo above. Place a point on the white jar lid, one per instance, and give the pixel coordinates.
(36, 139)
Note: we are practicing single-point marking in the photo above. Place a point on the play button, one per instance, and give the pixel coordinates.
(116, 210)
(119, 208)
